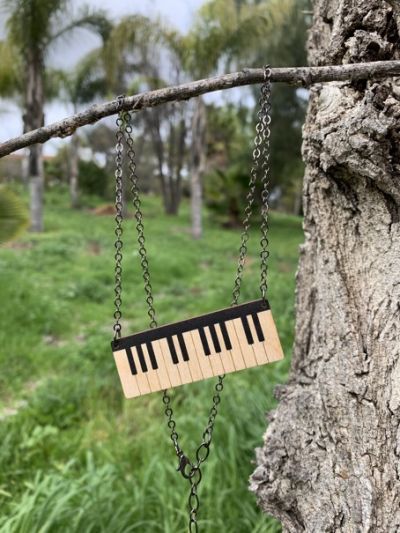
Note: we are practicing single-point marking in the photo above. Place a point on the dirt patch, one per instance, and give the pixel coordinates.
(103, 210)
(94, 248)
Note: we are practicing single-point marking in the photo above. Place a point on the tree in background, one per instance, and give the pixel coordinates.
(227, 184)
(226, 34)
(33, 27)
(144, 54)
(229, 131)
(81, 86)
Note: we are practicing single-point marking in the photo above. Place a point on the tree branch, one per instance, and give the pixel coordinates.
(300, 76)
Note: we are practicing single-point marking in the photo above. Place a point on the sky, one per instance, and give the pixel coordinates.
(178, 13)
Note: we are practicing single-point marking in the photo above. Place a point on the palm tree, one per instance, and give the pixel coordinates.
(33, 26)
(132, 57)
(225, 33)
(81, 86)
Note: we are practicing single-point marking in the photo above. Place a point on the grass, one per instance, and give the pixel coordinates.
(77, 457)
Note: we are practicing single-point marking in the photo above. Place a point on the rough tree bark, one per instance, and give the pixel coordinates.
(330, 461)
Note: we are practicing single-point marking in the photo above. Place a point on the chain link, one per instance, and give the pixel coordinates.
(118, 221)
(192, 470)
(133, 178)
(264, 117)
(260, 154)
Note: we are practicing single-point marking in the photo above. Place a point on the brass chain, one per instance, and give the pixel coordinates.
(192, 470)
(264, 118)
(118, 229)
(260, 154)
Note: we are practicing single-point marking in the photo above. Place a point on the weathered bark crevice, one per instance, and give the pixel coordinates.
(330, 458)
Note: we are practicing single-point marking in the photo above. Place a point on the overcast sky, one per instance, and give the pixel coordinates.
(176, 12)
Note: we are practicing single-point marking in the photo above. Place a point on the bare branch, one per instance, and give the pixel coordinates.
(300, 76)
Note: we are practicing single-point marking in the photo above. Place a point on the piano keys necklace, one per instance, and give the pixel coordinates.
(215, 344)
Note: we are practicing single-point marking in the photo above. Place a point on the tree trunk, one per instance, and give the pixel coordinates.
(330, 461)
(171, 165)
(153, 121)
(176, 154)
(34, 118)
(179, 162)
(198, 166)
(74, 171)
(25, 168)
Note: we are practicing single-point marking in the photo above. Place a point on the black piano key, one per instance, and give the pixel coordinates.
(225, 335)
(131, 362)
(204, 342)
(172, 350)
(214, 337)
(182, 345)
(257, 325)
(142, 360)
(247, 331)
(152, 356)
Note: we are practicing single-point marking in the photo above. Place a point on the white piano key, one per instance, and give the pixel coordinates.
(272, 343)
(237, 354)
(152, 375)
(128, 380)
(193, 362)
(258, 347)
(225, 354)
(183, 366)
(162, 367)
(173, 372)
(204, 360)
(141, 377)
(247, 350)
(215, 359)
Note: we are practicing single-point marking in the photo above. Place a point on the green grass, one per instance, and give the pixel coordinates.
(77, 457)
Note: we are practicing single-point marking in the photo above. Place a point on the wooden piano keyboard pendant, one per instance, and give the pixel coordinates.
(198, 348)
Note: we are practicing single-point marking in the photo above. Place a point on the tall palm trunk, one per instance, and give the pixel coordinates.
(176, 154)
(198, 165)
(74, 171)
(330, 461)
(179, 163)
(34, 118)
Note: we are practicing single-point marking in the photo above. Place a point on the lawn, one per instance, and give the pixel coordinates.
(74, 455)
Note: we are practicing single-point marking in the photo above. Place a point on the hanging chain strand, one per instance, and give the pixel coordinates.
(192, 470)
(260, 155)
(133, 178)
(118, 228)
(265, 112)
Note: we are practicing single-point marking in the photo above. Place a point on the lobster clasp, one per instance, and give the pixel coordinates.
(183, 463)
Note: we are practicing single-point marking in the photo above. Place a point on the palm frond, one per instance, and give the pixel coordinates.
(30, 21)
(88, 80)
(133, 37)
(94, 20)
(10, 70)
(232, 29)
